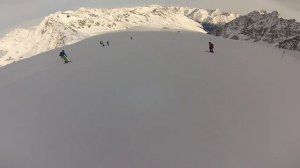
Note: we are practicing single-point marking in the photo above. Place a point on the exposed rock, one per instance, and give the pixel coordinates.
(262, 26)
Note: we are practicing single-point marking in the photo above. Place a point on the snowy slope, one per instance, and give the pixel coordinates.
(156, 101)
(64, 28)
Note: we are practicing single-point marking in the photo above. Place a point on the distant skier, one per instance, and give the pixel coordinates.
(131, 38)
(101, 43)
(107, 43)
(211, 47)
(64, 56)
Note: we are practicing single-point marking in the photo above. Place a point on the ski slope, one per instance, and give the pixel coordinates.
(64, 28)
(157, 101)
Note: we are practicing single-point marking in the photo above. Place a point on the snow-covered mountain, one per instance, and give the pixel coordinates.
(265, 27)
(64, 28)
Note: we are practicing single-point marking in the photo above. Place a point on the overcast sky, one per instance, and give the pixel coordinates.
(17, 12)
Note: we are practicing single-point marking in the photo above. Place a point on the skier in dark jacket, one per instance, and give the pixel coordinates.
(211, 47)
(64, 56)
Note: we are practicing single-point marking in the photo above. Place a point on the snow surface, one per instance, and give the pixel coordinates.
(157, 101)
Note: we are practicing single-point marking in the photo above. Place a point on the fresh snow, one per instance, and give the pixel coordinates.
(157, 101)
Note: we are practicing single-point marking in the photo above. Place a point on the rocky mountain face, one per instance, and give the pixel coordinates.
(262, 26)
(63, 28)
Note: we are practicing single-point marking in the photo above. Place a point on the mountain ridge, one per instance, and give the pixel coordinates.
(68, 27)
(64, 28)
(261, 26)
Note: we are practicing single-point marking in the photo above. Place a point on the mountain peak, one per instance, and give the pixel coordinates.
(263, 12)
(274, 13)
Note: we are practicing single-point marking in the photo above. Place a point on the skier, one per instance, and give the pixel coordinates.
(102, 43)
(107, 43)
(211, 47)
(64, 56)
